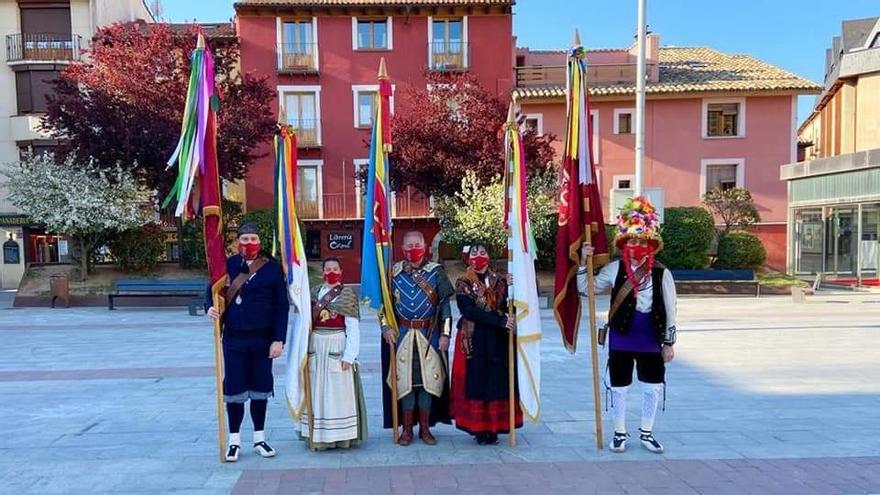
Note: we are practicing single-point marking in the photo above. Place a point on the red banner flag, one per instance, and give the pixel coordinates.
(580, 206)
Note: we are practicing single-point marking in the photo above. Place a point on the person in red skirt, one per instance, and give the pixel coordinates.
(480, 393)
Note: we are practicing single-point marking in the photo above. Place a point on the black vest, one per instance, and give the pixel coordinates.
(624, 316)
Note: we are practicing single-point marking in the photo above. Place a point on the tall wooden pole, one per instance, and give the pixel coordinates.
(218, 368)
(392, 371)
(307, 381)
(511, 389)
(594, 345)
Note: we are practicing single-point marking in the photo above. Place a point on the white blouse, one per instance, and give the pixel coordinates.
(352, 333)
(644, 299)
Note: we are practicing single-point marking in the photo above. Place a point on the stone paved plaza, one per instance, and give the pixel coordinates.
(765, 396)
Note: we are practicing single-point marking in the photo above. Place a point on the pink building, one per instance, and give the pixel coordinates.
(711, 119)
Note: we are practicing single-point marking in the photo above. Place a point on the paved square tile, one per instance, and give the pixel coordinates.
(765, 396)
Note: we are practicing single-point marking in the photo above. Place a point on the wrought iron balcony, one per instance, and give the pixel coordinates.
(308, 132)
(298, 57)
(42, 47)
(449, 56)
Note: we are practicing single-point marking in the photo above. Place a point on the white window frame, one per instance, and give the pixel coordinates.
(319, 165)
(279, 40)
(740, 170)
(358, 163)
(464, 40)
(594, 139)
(618, 178)
(538, 117)
(283, 90)
(740, 121)
(620, 111)
(357, 89)
(615, 180)
(389, 21)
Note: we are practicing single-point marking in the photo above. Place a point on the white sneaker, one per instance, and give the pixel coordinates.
(264, 449)
(618, 443)
(649, 442)
(232, 453)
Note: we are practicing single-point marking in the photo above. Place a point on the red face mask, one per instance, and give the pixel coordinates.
(414, 255)
(250, 250)
(479, 262)
(638, 253)
(333, 278)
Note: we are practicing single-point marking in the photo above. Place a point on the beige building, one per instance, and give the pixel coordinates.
(834, 190)
(41, 37)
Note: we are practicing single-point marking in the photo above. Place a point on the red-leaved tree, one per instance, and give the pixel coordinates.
(455, 126)
(124, 104)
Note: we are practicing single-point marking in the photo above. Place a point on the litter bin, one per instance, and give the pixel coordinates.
(59, 287)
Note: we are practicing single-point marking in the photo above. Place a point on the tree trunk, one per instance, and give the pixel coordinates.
(83, 259)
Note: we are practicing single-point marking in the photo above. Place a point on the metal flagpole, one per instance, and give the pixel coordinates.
(640, 101)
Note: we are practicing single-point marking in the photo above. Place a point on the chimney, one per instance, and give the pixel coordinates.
(652, 54)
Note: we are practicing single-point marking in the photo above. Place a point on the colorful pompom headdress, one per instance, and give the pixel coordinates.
(638, 220)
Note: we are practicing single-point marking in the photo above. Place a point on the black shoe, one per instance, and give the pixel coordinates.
(491, 439)
(618, 443)
(264, 449)
(649, 442)
(480, 438)
(232, 453)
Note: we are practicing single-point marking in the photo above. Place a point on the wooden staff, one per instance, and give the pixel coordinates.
(594, 345)
(511, 389)
(392, 370)
(307, 382)
(218, 367)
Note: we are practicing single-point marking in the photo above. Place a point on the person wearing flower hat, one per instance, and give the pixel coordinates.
(641, 319)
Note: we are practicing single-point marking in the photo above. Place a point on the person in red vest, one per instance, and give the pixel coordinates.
(641, 319)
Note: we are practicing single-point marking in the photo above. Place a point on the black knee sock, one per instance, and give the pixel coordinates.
(235, 410)
(258, 414)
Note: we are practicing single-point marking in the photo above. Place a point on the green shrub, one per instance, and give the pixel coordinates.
(265, 220)
(476, 213)
(687, 234)
(138, 250)
(192, 244)
(740, 250)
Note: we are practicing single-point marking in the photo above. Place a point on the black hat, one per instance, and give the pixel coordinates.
(248, 228)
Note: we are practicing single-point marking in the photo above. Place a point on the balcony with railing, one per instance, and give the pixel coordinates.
(598, 74)
(449, 56)
(297, 58)
(42, 47)
(308, 132)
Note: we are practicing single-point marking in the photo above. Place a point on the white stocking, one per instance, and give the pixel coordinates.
(651, 393)
(618, 408)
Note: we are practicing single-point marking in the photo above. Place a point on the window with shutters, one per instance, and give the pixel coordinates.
(723, 174)
(724, 118)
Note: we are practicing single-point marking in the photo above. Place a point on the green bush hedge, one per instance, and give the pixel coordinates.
(265, 220)
(687, 234)
(138, 250)
(740, 250)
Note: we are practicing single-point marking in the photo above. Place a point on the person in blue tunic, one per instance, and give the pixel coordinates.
(421, 292)
(254, 330)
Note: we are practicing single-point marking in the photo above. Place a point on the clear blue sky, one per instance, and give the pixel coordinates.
(792, 34)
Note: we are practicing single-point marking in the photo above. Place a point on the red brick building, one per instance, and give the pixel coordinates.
(322, 56)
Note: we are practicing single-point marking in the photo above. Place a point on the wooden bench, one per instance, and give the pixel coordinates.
(192, 288)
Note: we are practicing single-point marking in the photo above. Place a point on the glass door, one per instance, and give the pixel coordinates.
(869, 241)
(841, 243)
(809, 238)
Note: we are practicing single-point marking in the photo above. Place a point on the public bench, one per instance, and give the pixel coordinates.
(192, 288)
(729, 282)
